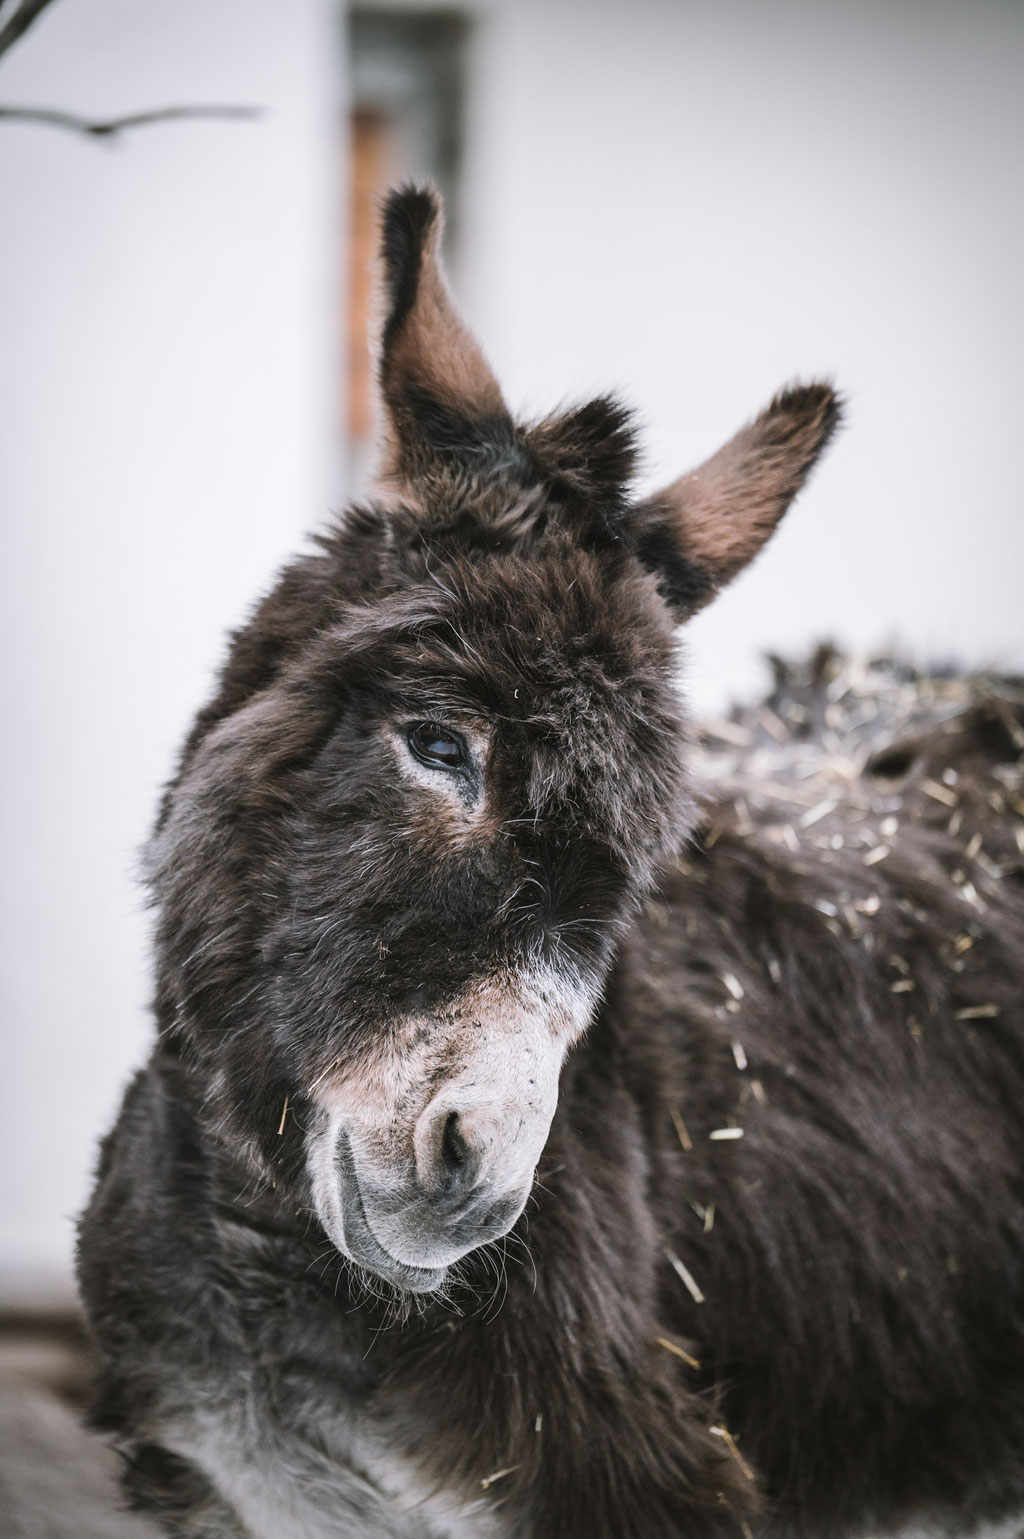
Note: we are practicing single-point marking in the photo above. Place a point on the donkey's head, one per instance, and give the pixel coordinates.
(446, 752)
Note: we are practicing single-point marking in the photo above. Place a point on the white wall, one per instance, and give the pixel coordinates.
(692, 202)
(167, 377)
(695, 202)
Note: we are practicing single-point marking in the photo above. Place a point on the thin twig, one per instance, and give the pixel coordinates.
(108, 128)
(18, 24)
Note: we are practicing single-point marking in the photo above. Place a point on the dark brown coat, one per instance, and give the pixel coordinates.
(440, 848)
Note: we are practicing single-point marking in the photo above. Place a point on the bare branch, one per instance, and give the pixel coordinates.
(18, 24)
(109, 128)
(15, 25)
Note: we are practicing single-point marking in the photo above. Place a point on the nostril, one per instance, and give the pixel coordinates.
(456, 1157)
(449, 1156)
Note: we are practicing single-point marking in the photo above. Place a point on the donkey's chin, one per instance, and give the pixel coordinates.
(340, 1208)
(404, 1248)
(362, 1246)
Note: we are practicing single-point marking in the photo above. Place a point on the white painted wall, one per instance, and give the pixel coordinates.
(167, 376)
(695, 202)
(692, 202)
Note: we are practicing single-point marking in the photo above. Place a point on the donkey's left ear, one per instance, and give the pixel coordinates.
(698, 533)
(439, 395)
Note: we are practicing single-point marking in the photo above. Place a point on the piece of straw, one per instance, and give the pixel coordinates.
(670, 1346)
(680, 1127)
(689, 1281)
(489, 1480)
(730, 1443)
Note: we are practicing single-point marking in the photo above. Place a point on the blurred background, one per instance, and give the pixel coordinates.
(688, 202)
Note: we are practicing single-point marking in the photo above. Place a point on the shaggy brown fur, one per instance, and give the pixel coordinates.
(442, 814)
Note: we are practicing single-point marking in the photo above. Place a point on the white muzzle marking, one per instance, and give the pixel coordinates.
(429, 1149)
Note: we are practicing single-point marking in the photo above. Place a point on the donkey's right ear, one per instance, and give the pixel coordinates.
(440, 398)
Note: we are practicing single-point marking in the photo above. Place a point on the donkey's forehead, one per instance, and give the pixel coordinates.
(516, 632)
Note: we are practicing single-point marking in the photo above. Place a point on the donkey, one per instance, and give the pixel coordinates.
(559, 1128)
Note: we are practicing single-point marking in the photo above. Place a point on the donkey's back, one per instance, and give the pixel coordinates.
(832, 981)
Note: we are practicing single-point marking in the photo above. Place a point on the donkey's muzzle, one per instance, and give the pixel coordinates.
(434, 1155)
(409, 1230)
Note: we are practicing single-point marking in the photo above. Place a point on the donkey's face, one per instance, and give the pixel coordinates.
(483, 819)
(407, 836)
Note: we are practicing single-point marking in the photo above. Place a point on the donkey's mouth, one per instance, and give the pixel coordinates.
(358, 1241)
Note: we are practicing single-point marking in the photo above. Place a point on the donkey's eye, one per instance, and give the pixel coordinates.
(437, 747)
